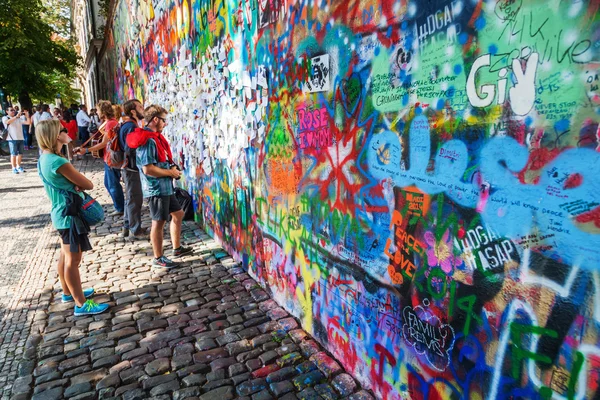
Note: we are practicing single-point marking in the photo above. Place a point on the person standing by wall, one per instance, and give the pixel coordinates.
(157, 171)
(13, 123)
(58, 175)
(83, 122)
(134, 113)
(112, 176)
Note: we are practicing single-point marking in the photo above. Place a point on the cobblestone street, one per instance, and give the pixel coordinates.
(204, 330)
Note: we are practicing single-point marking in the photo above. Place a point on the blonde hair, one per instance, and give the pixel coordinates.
(46, 134)
(106, 109)
(118, 110)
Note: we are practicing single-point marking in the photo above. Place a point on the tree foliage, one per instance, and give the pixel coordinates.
(57, 14)
(34, 60)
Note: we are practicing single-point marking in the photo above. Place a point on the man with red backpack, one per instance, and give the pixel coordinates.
(134, 114)
(157, 171)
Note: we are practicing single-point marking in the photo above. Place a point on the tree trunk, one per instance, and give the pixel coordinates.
(25, 101)
(3, 99)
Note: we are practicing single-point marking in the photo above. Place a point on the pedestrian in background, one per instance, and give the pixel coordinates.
(73, 110)
(95, 119)
(37, 115)
(26, 129)
(45, 113)
(83, 123)
(15, 138)
(68, 122)
(133, 112)
(112, 176)
(155, 162)
(118, 109)
(59, 176)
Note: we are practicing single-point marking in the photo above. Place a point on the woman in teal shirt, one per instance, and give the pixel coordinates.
(59, 175)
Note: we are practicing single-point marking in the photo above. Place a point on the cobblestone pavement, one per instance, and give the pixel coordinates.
(28, 244)
(204, 330)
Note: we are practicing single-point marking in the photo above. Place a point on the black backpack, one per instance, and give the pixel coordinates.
(186, 203)
(92, 127)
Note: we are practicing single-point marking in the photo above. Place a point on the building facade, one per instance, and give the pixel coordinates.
(89, 25)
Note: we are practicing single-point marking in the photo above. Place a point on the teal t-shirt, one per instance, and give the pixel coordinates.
(49, 165)
(151, 186)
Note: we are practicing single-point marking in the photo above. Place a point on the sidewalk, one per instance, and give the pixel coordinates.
(205, 330)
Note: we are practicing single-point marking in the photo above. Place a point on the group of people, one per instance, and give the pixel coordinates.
(20, 126)
(147, 172)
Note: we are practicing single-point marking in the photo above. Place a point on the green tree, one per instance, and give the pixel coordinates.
(57, 14)
(35, 61)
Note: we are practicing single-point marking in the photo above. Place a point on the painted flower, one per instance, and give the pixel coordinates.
(439, 253)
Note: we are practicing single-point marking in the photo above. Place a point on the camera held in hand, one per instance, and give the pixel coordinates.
(178, 169)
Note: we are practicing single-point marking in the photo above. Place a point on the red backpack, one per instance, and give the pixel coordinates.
(114, 156)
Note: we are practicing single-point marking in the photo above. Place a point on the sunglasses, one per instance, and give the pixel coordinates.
(161, 118)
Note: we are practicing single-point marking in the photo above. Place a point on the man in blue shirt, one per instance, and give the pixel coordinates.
(153, 156)
(134, 111)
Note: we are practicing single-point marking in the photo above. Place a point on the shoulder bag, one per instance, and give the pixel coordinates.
(90, 210)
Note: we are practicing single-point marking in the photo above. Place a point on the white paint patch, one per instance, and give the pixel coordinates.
(447, 69)
(412, 9)
(570, 37)
(575, 9)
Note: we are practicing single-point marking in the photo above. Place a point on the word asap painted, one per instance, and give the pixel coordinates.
(540, 207)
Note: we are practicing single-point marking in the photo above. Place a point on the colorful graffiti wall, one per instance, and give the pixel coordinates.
(417, 181)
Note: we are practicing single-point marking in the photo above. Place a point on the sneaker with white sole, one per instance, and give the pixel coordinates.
(90, 308)
(67, 298)
(15, 171)
(181, 251)
(20, 169)
(163, 262)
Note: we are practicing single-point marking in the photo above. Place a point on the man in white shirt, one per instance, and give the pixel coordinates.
(45, 113)
(13, 123)
(36, 119)
(83, 122)
(37, 115)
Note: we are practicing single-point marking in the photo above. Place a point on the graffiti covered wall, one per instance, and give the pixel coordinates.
(417, 181)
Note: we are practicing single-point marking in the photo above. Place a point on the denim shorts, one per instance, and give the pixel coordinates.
(16, 147)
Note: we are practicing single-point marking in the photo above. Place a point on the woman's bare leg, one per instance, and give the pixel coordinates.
(72, 277)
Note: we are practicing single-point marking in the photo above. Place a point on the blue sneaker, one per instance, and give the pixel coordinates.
(163, 262)
(15, 171)
(90, 308)
(86, 292)
(20, 169)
